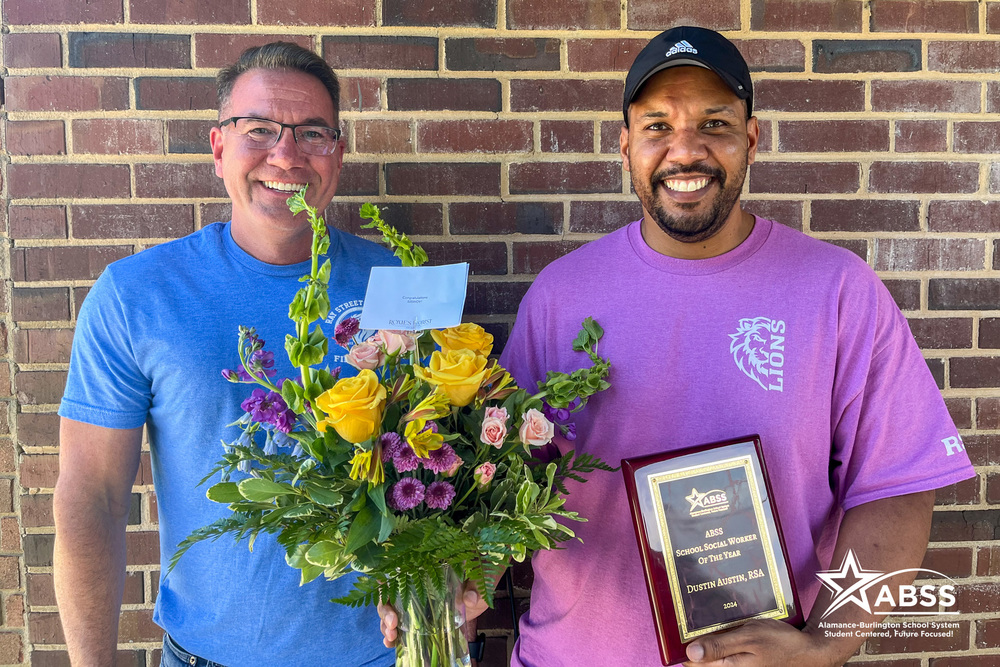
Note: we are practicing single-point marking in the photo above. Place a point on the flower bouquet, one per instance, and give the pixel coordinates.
(417, 472)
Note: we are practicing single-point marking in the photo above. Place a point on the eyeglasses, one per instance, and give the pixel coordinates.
(264, 134)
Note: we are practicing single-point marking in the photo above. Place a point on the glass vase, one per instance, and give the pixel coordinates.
(430, 634)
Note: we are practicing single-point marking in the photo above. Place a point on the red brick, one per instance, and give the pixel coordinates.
(993, 489)
(511, 54)
(804, 177)
(78, 181)
(474, 136)
(11, 648)
(603, 216)
(924, 16)
(358, 179)
(44, 628)
(221, 50)
(123, 49)
(361, 93)
(895, 254)
(611, 131)
(810, 136)
(809, 96)
(989, 333)
(331, 13)
(565, 177)
(806, 15)
(42, 49)
(772, 55)
(144, 475)
(38, 222)
(134, 588)
(988, 412)
(117, 136)
(941, 332)
(988, 633)
(442, 179)
(896, 644)
(66, 93)
(172, 12)
(68, 263)
(10, 537)
(975, 372)
(13, 611)
(954, 56)
(658, 15)
(960, 410)
(866, 55)
(924, 177)
(189, 136)
(196, 180)
(535, 256)
(965, 492)
(41, 346)
(963, 294)
(981, 660)
(383, 136)
(440, 13)
(41, 658)
(566, 136)
(494, 298)
(601, 55)
(138, 626)
(505, 217)
(963, 216)
(921, 136)
(36, 137)
(441, 94)
(988, 561)
(977, 598)
(976, 137)
(381, 52)
(107, 221)
(39, 305)
(40, 387)
(10, 572)
(885, 663)
(952, 562)
(864, 215)
(143, 547)
(8, 456)
(788, 213)
(425, 219)
(484, 258)
(181, 93)
(36, 509)
(565, 95)
(565, 15)
(41, 592)
(6, 496)
(31, 12)
(926, 96)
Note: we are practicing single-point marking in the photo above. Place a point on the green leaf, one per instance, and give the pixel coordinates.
(224, 492)
(263, 490)
(388, 524)
(324, 497)
(325, 554)
(377, 495)
(364, 528)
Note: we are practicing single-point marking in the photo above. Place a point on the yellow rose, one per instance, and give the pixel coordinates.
(467, 336)
(353, 406)
(457, 373)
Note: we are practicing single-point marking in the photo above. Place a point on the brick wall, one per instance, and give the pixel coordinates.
(489, 129)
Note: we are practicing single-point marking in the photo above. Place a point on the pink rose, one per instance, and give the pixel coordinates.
(365, 356)
(484, 474)
(395, 341)
(536, 429)
(494, 427)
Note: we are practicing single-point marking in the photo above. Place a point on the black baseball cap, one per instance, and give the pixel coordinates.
(689, 45)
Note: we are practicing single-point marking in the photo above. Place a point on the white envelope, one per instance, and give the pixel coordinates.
(414, 298)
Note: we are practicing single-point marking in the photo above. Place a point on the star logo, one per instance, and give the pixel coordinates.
(849, 584)
(707, 502)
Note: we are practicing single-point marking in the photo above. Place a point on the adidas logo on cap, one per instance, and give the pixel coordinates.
(681, 47)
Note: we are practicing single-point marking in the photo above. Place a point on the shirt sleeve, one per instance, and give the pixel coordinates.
(105, 386)
(892, 434)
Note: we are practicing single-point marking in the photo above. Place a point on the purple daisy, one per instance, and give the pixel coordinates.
(405, 459)
(442, 459)
(439, 495)
(407, 494)
(391, 444)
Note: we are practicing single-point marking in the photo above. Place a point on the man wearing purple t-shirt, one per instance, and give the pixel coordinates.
(719, 324)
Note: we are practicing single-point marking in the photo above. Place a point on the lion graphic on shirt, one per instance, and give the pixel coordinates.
(749, 348)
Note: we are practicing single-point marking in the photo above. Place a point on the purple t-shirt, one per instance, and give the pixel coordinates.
(785, 336)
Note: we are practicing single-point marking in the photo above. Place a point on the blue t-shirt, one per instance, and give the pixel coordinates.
(152, 338)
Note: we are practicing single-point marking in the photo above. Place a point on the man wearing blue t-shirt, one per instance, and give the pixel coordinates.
(152, 338)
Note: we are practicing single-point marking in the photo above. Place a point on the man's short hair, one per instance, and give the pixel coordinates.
(279, 55)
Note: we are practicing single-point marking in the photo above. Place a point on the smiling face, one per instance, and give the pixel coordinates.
(259, 181)
(687, 148)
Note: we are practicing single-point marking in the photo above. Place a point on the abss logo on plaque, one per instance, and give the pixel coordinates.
(708, 502)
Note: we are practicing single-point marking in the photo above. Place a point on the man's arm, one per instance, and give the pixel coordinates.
(97, 467)
(886, 535)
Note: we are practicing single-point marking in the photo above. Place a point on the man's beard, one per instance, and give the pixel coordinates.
(693, 227)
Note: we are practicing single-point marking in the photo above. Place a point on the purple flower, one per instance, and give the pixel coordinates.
(569, 432)
(260, 362)
(439, 495)
(441, 460)
(345, 330)
(407, 494)
(269, 408)
(391, 444)
(230, 375)
(405, 459)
